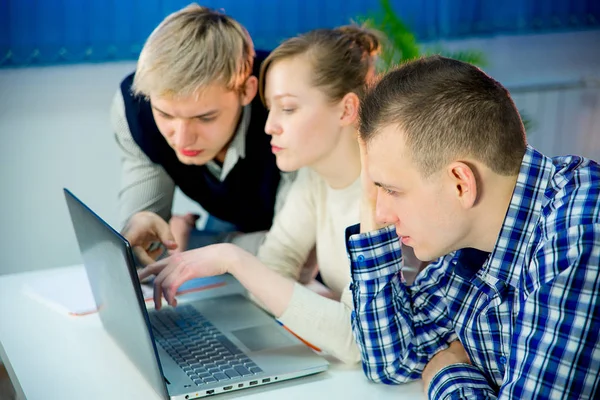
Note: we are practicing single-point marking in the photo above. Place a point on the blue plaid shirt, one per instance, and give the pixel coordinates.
(528, 314)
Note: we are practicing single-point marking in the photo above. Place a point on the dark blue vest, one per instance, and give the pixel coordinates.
(247, 196)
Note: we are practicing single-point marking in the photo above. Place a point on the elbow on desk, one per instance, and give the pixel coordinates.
(389, 374)
(350, 358)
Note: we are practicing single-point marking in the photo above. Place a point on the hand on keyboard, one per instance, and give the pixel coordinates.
(173, 271)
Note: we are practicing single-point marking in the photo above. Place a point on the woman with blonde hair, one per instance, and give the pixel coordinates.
(311, 85)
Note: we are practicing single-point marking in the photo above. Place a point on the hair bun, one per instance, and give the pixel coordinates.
(367, 39)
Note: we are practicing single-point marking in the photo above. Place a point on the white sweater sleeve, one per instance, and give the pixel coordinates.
(144, 185)
(323, 322)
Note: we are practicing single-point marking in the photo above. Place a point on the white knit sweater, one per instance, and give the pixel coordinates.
(314, 213)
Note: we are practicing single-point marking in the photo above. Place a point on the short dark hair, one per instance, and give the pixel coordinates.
(446, 109)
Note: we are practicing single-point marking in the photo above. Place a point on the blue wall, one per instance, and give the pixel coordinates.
(38, 32)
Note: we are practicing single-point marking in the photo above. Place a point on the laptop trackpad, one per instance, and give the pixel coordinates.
(262, 337)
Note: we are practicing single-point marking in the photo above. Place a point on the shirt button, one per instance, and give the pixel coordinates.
(360, 258)
(502, 360)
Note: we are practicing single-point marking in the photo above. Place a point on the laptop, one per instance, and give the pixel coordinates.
(218, 342)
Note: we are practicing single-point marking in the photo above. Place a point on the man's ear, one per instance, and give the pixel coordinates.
(464, 179)
(350, 105)
(249, 90)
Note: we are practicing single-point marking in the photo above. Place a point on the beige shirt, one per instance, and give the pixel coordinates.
(314, 213)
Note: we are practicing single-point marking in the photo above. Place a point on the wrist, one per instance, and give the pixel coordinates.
(454, 354)
(232, 256)
(367, 216)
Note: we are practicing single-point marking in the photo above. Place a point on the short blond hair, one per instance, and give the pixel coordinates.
(191, 49)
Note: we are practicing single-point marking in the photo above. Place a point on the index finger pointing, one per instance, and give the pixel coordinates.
(153, 269)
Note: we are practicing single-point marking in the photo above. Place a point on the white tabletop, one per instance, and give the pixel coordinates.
(52, 355)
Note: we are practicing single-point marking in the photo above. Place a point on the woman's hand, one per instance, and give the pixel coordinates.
(271, 289)
(173, 271)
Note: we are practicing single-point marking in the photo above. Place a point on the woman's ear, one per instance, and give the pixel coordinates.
(249, 90)
(350, 105)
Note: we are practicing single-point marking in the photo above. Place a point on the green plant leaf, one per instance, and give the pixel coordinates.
(400, 44)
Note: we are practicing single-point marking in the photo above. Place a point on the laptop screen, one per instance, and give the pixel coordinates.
(109, 265)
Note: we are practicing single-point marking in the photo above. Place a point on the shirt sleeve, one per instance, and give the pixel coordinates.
(145, 186)
(399, 328)
(460, 381)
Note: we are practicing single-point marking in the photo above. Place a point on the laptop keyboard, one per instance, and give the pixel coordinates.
(200, 349)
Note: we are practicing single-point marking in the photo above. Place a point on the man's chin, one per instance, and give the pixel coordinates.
(428, 254)
(200, 160)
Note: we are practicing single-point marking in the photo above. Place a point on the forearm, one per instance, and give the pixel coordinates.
(271, 289)
(385, 334)
(145, 186)
(460, 381)
(382, 321)
(149, 191)
(317, 287)
(251, 242)
(368, 220)
(323, 322)
(399, 328)
(454, 355)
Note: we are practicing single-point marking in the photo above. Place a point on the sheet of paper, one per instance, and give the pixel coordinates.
(69, 291)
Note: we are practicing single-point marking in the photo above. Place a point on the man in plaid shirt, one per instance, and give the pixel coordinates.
(510, 305)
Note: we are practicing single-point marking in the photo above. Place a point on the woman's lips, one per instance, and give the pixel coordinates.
(276, 149)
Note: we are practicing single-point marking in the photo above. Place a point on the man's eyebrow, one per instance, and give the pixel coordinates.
(209, 113)
(161, 111)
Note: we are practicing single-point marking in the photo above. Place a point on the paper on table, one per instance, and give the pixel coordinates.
(70, 292)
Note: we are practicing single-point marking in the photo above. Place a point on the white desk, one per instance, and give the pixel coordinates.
(50, 355)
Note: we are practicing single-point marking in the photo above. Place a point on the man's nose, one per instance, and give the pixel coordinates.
(384, 214)
(184, 135)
